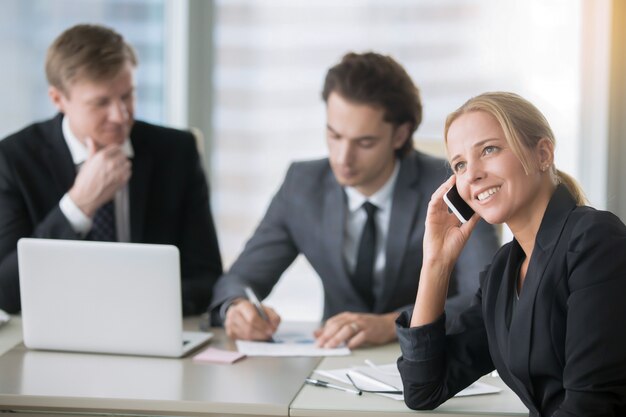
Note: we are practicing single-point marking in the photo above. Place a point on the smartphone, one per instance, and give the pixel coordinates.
(457, 205)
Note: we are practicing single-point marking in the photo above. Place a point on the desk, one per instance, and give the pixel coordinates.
(58, 382)
(10, 334)
(320, 402)
(88, 383)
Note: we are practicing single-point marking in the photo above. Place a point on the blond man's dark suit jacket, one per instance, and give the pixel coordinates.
(169, 202)
(564, 351)
(307, 216)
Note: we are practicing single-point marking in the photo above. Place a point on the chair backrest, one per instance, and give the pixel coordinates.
(431, 147)
(199, 137)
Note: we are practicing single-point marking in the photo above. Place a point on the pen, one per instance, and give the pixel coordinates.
(319, 383)
(257, 304)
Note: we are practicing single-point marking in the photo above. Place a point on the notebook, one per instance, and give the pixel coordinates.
(104, 297)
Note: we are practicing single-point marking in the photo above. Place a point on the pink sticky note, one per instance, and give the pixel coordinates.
(218, 356)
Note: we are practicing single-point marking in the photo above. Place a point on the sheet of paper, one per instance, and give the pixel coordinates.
(387, 374)
(294, 336)
(387, 377)
(287, 349)
(213, 355)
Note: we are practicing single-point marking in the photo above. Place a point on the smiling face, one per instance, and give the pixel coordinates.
(490, 177)
(361, 145)
(102, 110)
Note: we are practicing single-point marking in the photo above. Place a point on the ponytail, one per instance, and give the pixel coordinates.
(572, 186)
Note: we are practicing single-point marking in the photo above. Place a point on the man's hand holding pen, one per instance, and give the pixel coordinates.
(244, 321)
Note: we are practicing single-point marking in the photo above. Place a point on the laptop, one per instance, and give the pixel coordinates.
(103, 297)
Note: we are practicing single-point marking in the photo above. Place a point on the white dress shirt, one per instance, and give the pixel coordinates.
(79, 221)
(355, 220)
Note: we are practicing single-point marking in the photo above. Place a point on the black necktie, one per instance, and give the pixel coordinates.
(103, 227)
(363, 277)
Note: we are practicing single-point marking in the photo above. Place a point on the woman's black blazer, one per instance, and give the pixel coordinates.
(564, 351)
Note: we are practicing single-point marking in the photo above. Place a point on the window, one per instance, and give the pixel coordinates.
(27, 28)
(272, 56)
(269, 61)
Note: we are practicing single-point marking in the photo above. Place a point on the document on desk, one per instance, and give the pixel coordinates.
(362, 380)
(387, 378)
(287, 349)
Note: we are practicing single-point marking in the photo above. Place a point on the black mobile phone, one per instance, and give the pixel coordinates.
(457, 205)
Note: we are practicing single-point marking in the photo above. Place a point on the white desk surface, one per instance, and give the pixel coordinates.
(10, 334)
(316, 401)
(88, 383)
(41, 381)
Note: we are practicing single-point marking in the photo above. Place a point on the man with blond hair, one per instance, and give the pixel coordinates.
(93, 172)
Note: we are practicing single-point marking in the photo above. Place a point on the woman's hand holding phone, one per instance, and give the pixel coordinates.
(444, 239)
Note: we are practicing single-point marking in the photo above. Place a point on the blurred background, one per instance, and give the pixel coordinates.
(249, 73)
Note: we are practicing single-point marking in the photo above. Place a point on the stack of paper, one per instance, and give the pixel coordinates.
(289, 341)
(387, 378)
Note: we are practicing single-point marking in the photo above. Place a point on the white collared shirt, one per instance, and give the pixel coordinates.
(79, 221)
(355, 220)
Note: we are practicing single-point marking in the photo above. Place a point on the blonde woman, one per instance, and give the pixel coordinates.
(549, 309)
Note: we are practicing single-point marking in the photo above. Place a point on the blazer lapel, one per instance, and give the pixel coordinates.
(57, 156)
(406, 199)
(520, 335)
(503, 300)
(503, 303)
(138, 190)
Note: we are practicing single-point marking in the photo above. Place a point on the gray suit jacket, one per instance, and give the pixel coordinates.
(307, 216)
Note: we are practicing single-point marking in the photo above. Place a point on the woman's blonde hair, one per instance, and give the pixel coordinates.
(523, 126)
